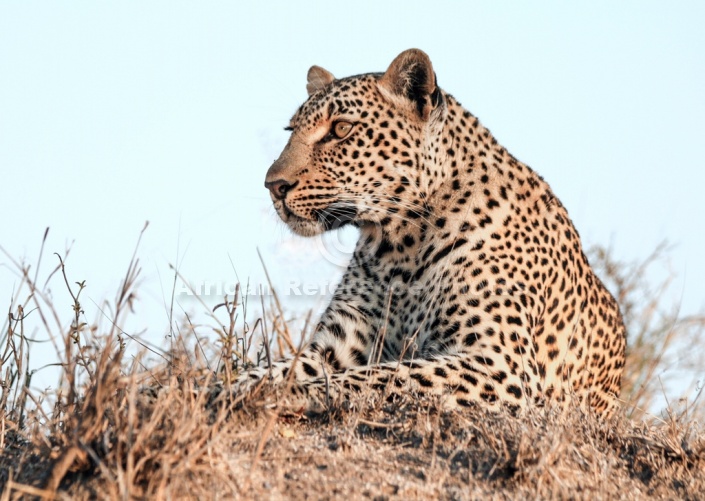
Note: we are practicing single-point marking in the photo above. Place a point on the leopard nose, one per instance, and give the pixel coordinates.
(279, 188)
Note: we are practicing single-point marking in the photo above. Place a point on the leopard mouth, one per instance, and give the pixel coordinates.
(336, 215)
(286, 214)
(303, 226)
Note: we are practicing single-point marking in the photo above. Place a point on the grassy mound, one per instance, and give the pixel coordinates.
(124, 425)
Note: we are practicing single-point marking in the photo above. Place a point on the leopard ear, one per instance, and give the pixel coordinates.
(411, 76)
(317, 79)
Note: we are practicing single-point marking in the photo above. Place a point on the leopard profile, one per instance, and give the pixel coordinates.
(468, 281)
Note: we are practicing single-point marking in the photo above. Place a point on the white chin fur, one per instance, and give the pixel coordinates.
(305, 228)
(300, 226)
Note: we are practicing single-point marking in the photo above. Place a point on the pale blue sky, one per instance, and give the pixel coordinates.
(113, 113)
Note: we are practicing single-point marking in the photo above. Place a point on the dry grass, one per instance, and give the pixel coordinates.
(662, 344)
(163, 425)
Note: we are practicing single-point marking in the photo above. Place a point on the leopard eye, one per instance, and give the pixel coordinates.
(342, 129)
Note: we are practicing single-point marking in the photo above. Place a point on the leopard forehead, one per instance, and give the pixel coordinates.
(347, 97)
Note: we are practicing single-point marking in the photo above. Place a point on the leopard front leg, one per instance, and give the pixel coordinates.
(343, 339)
(457, 380)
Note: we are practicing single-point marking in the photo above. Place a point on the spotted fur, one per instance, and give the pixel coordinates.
(468, 280)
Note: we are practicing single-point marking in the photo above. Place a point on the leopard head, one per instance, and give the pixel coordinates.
(359, 148)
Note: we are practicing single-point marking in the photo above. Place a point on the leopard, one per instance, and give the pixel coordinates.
(468, 281)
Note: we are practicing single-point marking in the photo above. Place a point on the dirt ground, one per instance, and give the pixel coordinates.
(182, 445)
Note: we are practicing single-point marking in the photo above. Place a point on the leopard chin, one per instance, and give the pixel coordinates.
(305, 228)
(299, 225)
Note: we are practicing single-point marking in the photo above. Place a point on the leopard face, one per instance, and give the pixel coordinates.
(355, 155)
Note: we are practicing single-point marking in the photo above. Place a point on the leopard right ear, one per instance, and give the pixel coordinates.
(317, 79)
(411, 77)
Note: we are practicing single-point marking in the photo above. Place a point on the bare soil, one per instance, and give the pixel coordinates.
(181, 443)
